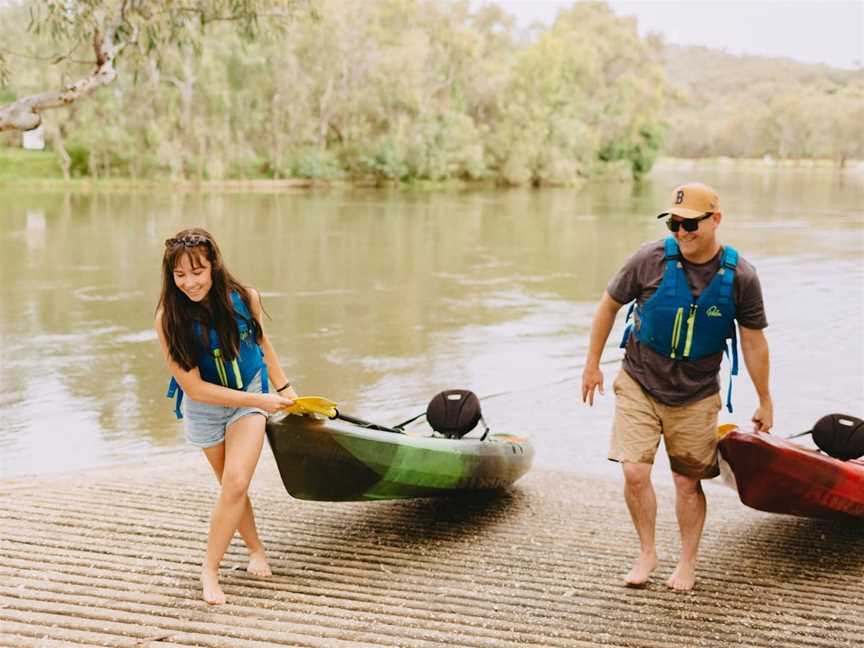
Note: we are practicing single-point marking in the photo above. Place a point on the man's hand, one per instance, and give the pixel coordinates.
(763, 418)
(754, 346)
(601, 325)
(592, 378)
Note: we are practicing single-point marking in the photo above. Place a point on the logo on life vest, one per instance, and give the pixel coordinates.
(713, 311)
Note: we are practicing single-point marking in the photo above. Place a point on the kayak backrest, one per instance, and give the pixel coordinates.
(454, 412)
(840, 436)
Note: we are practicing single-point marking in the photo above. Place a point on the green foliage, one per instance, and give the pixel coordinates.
(17, 164)
(151, 28)
(317, 164)
(79, 161)
(4, 73)
(640, 152)
(575, 96)
(411, 91)
(407, 90)
(744, 106)
(385, 162)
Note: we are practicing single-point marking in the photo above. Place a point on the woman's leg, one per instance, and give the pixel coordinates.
(248, 531)
(243, 442)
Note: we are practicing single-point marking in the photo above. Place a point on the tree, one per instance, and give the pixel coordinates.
(374, 90)
(588, 89)
(142, 31)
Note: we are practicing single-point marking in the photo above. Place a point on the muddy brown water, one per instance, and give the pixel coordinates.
(379, 299)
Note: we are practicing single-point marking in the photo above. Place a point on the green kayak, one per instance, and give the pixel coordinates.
(333, 460)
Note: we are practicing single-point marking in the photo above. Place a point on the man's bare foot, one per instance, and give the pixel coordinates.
(683, 578)
(641, 571)
(212, 593)
(258, 564)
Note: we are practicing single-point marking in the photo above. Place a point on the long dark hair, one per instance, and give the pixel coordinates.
(179, 313)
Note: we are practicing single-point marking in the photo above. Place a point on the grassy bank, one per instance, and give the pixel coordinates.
(40, 169)
(18, 164)
(20, 168)
(850, 166)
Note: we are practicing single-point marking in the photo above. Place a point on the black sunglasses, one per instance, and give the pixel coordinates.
(190, 240)
(689, 224)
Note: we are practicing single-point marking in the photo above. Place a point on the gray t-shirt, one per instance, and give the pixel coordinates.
(679, 382)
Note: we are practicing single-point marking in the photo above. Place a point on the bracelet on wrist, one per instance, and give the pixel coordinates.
(283, 387)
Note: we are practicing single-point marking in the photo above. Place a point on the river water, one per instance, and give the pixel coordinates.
(378, 299)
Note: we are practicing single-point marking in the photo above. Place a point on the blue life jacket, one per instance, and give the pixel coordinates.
(211, 362)
(676, 326)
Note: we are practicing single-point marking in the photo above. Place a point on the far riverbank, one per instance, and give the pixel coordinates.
(41, 170)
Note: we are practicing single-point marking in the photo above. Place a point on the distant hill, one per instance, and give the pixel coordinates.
(751, 106)
(727, 72)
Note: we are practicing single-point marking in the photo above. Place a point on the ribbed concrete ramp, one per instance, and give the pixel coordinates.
(111, 558)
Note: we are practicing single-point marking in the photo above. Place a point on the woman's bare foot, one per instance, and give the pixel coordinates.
(683, 578)
(258, 564)
(212, 593)
(641, 570)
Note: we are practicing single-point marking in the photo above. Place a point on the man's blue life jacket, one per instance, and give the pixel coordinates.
(676, 326)
(235, 374)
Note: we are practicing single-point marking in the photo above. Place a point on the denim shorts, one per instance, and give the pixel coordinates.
(205, 424)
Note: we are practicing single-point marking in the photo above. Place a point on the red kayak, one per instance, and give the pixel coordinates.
(775, 475)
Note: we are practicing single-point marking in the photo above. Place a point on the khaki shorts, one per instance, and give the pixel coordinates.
(689, 431)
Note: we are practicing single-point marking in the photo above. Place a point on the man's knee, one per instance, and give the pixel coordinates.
(687, 486)
(637, 476)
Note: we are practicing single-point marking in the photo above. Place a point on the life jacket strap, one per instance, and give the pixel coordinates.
(238, 379)
(220, 367)
(224, 375)
(673, 262)
(628, 328)
(730, 257)
(734, 362)
(265, 383)
(174, 388)
(728, 265)
(671, 249)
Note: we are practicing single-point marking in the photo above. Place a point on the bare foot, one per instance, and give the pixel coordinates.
(683, 578)
(641, 571)
(258, 564)
(212, 593)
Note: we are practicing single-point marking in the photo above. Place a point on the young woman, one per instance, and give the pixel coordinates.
(210, 329)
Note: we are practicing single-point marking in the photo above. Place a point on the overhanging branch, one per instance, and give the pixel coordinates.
(25, 114)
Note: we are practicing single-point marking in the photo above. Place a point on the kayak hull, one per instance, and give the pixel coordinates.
(331, 460)
(777, 476)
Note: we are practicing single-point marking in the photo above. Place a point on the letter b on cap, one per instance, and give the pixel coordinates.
(679, 197)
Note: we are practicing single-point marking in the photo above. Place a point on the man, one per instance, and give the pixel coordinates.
(689, 291)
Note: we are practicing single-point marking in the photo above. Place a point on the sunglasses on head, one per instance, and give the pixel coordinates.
(689, 224)
(190, 240)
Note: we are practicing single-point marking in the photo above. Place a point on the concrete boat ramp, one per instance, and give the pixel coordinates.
(111, 558)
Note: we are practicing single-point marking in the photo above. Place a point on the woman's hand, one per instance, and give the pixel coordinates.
(272, 403)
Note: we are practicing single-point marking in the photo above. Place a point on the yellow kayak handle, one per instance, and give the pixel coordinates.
(725, 429)
(313, 405)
